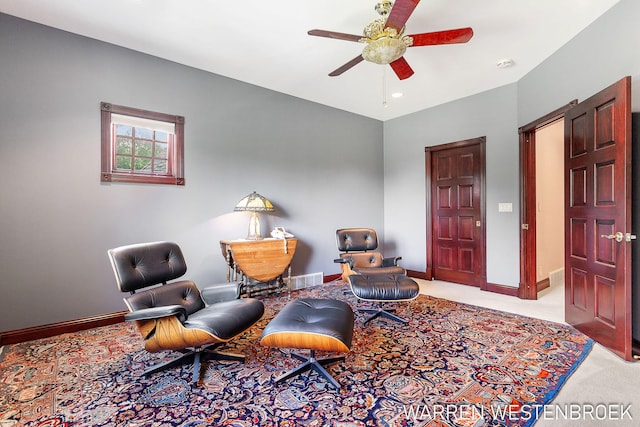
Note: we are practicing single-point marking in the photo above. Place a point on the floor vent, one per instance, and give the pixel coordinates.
(306, 280)
(556, 277)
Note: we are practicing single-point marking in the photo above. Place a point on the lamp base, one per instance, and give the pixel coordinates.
(254, 227)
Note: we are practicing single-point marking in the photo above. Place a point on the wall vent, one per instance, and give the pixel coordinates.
(306, 280)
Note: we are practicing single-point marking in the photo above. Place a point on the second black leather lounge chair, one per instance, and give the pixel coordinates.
(372, 277)
(358, 253)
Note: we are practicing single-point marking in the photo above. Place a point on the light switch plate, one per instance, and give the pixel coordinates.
(505, 207)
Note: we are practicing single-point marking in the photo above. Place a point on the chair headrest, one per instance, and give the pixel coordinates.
(145, 264)
(356, 239)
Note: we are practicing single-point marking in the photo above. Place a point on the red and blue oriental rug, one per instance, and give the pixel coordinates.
(451, 365)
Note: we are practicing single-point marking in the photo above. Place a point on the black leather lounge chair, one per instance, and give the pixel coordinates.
(372, 277)
(177, 315)
(358, 254)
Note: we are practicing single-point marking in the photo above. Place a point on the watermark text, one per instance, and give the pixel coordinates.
(469, 414)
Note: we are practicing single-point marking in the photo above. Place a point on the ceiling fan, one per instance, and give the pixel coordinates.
(385, 39)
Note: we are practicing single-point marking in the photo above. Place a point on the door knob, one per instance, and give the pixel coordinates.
(619, 236)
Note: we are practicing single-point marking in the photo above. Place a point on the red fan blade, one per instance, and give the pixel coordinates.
(355, 61)
(334, 35)
(400, 13)
(461, 35)
(402, 68)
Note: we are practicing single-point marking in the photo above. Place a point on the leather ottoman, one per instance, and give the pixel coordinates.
(312, 324)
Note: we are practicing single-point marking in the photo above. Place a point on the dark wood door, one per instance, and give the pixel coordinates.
(457, 216)
(598, 217)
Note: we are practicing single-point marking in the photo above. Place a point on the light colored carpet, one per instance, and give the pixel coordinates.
(604, 390)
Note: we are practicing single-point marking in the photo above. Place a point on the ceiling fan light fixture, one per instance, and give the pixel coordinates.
(384, 50)
(385, 42)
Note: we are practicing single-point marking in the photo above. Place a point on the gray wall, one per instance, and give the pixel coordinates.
(597, 57)
(600, 55)
(57, 220)
(491, 114)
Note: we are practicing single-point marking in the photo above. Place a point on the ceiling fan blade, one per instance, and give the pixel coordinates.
(460, 35)
(400, 13)
(401, 68)
(355, 61)
(335, 35)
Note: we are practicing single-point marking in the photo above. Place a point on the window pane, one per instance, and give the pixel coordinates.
(123, 162)
(161, 150)
(124, 146)
(143, 148)
(142, 165)
(161, 136)
(160, 166)
(144, 133)
(124, 130)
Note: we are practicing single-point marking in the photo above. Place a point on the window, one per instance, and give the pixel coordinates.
(141, 146)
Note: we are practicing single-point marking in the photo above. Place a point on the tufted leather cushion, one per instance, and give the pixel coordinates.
(363, 259)
(371, 263)
(311, 323)
(384, 287)
(183, 293)
(356, 239)
(368, 271)
(142, 265)
(227, 319)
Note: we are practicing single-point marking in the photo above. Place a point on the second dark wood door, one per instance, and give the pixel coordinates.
(457, 213)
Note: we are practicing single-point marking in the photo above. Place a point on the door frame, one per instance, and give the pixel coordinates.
(481, 141)
(528, 287)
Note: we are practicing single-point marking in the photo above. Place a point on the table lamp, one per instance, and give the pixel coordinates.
(254, 203)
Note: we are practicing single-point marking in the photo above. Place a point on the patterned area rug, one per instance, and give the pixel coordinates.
(451, 365)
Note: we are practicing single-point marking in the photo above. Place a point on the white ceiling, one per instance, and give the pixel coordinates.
(266, 43)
